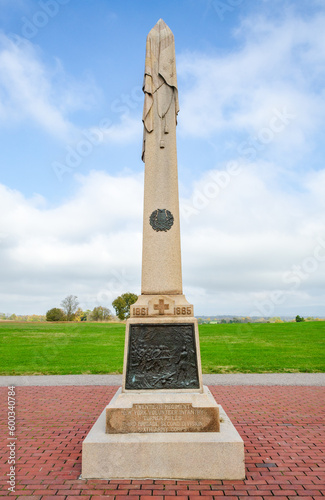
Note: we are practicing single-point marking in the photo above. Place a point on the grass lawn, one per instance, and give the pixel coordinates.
(75, 348)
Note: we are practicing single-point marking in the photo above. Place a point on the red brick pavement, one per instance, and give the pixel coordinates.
(281, 426)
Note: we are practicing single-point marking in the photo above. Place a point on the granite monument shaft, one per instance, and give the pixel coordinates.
(161, 257)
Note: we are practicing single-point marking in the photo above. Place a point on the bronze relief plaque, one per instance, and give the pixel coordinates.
(162, 356)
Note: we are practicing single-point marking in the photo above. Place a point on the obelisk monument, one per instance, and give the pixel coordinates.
(161, 249)
(161, 257)
(162, 422)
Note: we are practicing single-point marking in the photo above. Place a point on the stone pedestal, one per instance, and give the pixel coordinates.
(161, 412)
(160, 455)
(163, 423)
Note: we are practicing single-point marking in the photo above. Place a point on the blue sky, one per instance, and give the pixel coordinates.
(251, 78)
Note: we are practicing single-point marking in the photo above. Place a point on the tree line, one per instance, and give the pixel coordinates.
(70, 310)
(31, 318)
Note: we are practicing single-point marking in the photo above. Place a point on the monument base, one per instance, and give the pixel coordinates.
(161, 455)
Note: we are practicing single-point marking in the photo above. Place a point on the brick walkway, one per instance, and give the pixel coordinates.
(281, 426)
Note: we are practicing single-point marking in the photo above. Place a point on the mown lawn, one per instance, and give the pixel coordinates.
(75, 348)
(258, 348)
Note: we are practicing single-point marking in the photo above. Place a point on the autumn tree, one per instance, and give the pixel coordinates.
(123, 303)
(80, 315)
(100, 313)
(69, 306)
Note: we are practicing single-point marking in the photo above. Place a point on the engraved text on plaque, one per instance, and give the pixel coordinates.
(164, 417)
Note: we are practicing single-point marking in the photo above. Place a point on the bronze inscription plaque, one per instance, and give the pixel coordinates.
(164, 417)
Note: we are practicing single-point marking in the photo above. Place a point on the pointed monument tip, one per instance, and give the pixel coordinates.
(162, 25)
(160, 29)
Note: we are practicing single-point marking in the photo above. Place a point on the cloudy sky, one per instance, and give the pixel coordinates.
(251, 78)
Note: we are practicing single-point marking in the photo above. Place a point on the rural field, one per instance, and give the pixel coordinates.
(85, 348)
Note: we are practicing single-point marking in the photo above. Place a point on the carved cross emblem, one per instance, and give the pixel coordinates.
(161, 307)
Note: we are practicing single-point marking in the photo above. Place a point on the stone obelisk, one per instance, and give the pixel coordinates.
(161, 257)
(162, 422)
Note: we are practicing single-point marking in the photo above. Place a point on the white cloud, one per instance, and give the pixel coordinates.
(237, 250)
(278, 64)
(129, 129)
(251, 237)
(29, 90)
(81, 245)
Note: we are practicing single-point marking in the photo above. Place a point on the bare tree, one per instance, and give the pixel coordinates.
(69, 305)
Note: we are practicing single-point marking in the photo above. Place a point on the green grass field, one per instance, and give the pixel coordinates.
(75, 348)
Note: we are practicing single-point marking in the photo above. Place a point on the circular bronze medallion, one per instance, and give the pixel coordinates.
(161, 219)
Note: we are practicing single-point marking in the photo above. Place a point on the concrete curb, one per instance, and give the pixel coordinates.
(307, 379)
